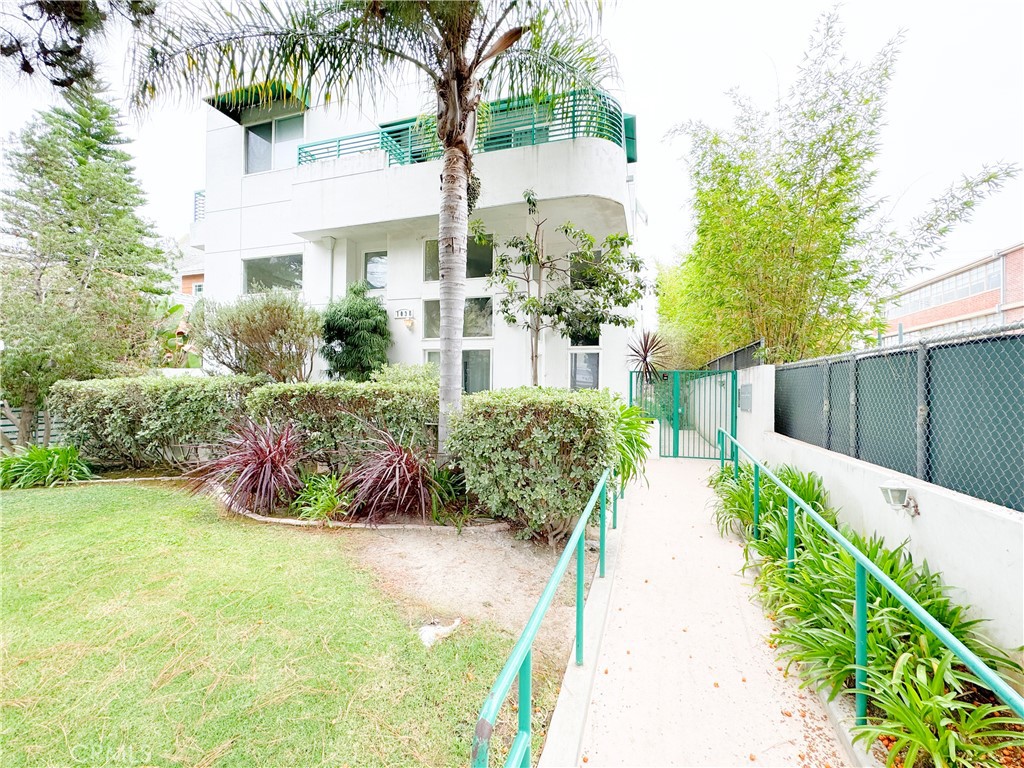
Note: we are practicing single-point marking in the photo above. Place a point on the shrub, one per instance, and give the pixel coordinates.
(631, 444)
(389, 478)
(334, 415)
(148, 420)
(270, 334)
(533, 455)
(36, 465)
(356, 335)
(927, 721)
(259, 468)
(912, 679)
(426, 374)
(322, 497)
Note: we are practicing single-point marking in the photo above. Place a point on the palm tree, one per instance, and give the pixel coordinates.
(341, 49)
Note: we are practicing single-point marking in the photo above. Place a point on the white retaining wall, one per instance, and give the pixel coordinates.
(976, 545)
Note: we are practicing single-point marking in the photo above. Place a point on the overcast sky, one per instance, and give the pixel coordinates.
(956, 102)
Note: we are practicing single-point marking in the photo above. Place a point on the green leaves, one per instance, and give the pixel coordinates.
(78, 266)
(356, 335)
(791, 244)
(597, 283)
(148, 420)
(272, 334)
(533, 455)
(38, 466)
(928, 703)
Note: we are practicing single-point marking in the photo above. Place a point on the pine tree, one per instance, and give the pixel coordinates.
(78, 263)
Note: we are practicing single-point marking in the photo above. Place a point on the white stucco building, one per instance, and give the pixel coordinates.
(317, 198)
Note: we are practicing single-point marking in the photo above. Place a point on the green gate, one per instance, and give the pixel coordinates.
(690, 407)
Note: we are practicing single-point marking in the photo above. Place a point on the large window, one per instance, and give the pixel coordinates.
(584, 360)
(375, 269)
(478, 319)
(983, 278)
(476, 368)
(479, 259)
(273, 145)
(584, 368)
(275, 272)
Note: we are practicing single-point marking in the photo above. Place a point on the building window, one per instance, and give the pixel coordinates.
(375, 269)
(584, 368)
(197, 289)
(581, 271)
(273, 145)
(275, 272)
(985, 277)
(478, 319)
(476, 368)
(479, 259)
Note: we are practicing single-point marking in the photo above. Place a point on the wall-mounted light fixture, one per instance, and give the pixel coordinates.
(406, 316)
(897, 496)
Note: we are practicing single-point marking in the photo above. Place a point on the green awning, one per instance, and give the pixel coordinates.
(233, 102)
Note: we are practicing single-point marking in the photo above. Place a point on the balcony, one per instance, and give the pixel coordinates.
(503, 124)
(199, 206)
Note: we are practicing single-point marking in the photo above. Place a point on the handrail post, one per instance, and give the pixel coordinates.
(526, 704)
(721, 450)
(580, 562)
(604, 506)
(790, 534)
(861, 650)
(675, 414)
(757, 501)
(615, 509)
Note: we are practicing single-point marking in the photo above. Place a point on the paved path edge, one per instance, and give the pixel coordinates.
(564, 742)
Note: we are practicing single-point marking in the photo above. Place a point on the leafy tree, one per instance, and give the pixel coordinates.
(342, 49)
(79, 265)
(572, 295)
(792, 246)
(54, 38)
(356, 335)
(272, 334)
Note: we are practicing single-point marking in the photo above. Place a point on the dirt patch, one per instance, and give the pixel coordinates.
(478, 575)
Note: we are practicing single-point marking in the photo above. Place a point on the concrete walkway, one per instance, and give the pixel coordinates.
(685, 675)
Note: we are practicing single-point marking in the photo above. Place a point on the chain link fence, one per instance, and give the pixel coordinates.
(948, 410)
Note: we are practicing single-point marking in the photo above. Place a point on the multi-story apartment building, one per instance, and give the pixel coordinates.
(316, 198)
(986, 293)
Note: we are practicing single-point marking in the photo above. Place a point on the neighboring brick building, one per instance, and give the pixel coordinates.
(985, 293)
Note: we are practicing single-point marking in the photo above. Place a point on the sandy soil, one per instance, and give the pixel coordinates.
(477, 576)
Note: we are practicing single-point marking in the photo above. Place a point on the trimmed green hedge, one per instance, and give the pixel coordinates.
(534, 455)
(408, 410)
(148, 420)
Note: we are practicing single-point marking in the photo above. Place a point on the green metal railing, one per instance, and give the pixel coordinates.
(519, 664)
(503, 124)
(690, 407)
(864, 567)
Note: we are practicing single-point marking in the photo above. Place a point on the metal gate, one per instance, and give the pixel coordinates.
(690, 407)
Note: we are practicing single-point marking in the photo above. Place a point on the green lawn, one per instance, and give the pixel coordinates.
(141, 628)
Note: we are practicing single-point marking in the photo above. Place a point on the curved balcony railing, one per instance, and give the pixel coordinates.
(503, 124)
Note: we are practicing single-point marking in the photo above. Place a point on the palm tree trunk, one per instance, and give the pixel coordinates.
(453, 233)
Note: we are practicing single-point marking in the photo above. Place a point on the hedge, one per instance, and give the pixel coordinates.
(324, 411)
(534, 455)
(148, 420)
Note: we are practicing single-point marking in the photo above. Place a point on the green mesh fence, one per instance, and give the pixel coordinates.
(948, 410)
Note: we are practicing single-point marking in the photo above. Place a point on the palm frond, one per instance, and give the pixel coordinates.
(559, 52)
(322, 50)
